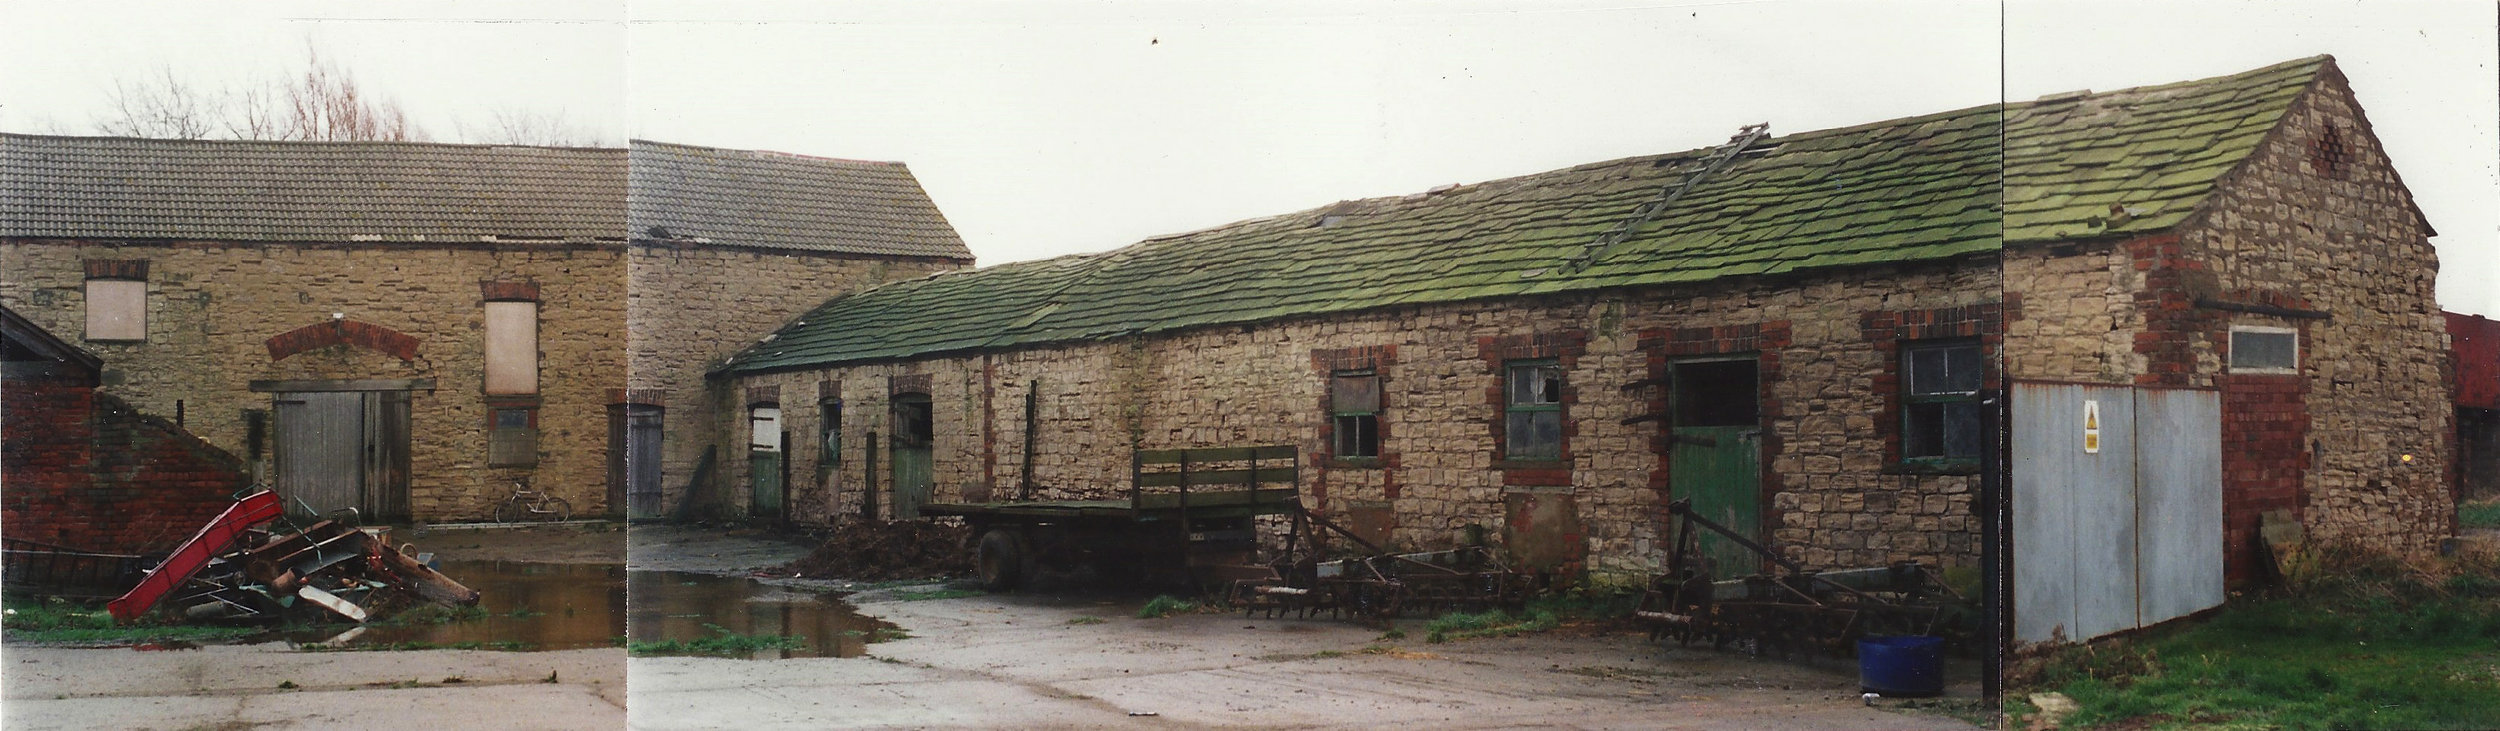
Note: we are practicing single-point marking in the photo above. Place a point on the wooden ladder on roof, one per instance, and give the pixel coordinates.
(1648, 210)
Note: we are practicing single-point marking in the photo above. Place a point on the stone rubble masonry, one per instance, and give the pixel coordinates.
(86, 471)
(1829, 501)
(406, 311)
(2291, 235)
(689, 307)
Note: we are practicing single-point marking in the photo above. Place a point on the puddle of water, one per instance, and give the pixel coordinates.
(673, 605)
(529, 606)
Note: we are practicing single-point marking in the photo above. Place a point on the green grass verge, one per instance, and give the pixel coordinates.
(498, 646)
(915, 596)
(2357, 642)
(65, 622)
(722, 643)
(2485, 514)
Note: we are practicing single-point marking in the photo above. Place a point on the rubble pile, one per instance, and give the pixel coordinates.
(876, 550)
(234, 570)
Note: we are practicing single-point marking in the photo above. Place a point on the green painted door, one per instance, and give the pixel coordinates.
(1716, 457)
(913, 433)
(765, 446)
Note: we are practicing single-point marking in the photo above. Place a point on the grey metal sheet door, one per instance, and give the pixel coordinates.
(321, 450)
(2074, 513)
(2178, 503)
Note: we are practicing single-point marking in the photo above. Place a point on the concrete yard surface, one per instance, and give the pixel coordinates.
(240, 686)
(1012, 661)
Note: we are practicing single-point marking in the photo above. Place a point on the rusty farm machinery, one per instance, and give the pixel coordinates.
(1798, 611)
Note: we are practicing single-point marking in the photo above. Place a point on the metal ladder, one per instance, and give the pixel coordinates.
(1648, 210)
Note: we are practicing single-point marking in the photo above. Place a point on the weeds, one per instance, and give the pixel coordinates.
(59, 620)
(496, 646)
(1086, 620)
(1496, 623)
(722, 643)
(1164, 606)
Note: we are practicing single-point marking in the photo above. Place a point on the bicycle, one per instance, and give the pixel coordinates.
(528, 504)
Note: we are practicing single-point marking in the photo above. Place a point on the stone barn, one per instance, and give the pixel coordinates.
(2195, 304)
(410, 328)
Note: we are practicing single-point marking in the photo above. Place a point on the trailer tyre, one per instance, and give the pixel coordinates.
(1004, 559)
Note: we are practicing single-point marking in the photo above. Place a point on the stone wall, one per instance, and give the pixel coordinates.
(1831, 495)
(2316, 233)
(691, 306)
(214, 308)
(86, 471)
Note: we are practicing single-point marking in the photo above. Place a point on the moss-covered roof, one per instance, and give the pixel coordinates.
(1904, 190)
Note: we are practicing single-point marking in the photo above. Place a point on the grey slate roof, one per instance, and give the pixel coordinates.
(126, 188)
(229, 190)
(784, 201)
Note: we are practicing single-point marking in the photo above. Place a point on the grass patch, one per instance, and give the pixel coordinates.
(56, 620)
(2485, 514)
(1496, 623)
(722, 643)
(880, 634)
(1164, 606)
(1086, 620)
(914, 596)
(2356, 640)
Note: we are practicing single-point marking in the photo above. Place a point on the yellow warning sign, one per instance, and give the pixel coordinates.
(2091, 427)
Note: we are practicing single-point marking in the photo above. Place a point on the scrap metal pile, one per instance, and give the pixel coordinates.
(1378, 584)
(1800, 611)
(234, 570)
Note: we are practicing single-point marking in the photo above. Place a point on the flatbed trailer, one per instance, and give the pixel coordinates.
(1190, 516)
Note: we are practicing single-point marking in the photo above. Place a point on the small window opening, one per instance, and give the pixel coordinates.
(512, 440)
(1354, 407)
(2328, 155)
(830, 410)
(764, 428)
(1940, 417)
(1716, 393)
(2265, 350)
(1532, 425)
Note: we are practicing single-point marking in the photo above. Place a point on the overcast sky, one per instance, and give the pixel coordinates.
(1046, 128)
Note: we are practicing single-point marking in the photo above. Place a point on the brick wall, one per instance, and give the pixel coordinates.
(1829, 497)
(87, 471)
(407, 311)
(688, 307)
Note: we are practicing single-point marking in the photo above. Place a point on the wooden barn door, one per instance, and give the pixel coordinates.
(343, 449)
(914, 477)
(1716, 455)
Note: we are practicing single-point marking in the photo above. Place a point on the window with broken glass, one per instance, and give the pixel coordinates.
(1940, 417)
(1354, 409)
(829, 412)
(1533, 412)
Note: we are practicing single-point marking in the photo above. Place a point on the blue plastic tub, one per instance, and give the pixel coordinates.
(1911, 666)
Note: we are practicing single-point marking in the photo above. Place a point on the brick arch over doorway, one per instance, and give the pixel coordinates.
(343, 332)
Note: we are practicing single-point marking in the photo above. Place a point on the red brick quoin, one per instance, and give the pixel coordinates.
(343, 332)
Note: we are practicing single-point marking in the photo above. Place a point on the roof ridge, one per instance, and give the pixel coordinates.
(205, 142)
(763, 152)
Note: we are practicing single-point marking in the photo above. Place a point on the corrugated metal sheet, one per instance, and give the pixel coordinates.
(2178, 504)
(2074, 513)
(2475, 341)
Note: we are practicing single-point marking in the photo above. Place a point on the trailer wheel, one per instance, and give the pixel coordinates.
(1004, 559)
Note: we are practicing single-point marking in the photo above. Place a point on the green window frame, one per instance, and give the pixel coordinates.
(1532, 409)
(1940, 403)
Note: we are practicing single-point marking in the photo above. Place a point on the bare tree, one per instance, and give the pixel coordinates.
(323, 102)
(530, 127)
(162, 105)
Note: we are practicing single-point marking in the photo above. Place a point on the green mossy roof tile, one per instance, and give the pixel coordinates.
(1915, 189)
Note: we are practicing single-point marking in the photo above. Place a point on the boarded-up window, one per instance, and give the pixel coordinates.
(764, 428)
(2265, 350)
(117, 309)
(511, 347)
(1354, 410)
(512, 441)
(1532, 427)
(1940, 418)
